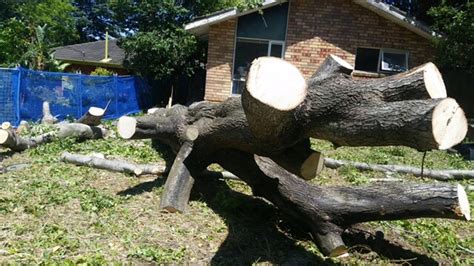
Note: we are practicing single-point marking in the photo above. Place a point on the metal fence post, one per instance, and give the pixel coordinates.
(116, 94)
(17, 100)
(80, 96)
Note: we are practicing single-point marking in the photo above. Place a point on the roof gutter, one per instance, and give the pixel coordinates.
(385, 11)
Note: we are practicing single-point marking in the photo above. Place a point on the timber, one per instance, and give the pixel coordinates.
(442, 175)
(48, 118)
(263, 138)
(113, 165)
(92, 117)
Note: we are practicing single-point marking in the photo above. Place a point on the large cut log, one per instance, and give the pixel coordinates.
(263, 138)
(114, 165)
(327, 211)
(442, 175)
(333, 107)
(92, 117)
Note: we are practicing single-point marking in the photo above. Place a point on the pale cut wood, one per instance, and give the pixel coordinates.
(80, 131)
(10, 139)
(48, 118)
(442, 175)
(92, 117)
(114, 165)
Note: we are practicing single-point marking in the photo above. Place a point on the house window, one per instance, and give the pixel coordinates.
(381, 60)
(258, 34)
(248, 50)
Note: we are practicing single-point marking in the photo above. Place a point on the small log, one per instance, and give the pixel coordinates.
(80, 131)
(92, 117)
(442, 175)
(48, 118)
(10, 139)
(113, 165)
(301, 160)
(179, 183)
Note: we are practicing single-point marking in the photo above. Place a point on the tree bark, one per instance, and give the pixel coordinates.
(263, 138)
(92, 117)
(114, 165)
(442, 175)
(179, 183)
(10, 139)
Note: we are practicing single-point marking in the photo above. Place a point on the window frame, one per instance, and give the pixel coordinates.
(392, 51)
(269, 45)
(382, 51)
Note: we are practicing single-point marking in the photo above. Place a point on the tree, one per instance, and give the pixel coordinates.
(455, 21)
(19, 28)
(95, 17)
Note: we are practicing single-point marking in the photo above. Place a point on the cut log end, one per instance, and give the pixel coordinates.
(449, 124)
(96, 111)
(191, 133)
(6, 125)
(276, 83)
(3, 136)
(126, 127)
(312, 166)
(341, 62)
(433, 81)
(464, 208)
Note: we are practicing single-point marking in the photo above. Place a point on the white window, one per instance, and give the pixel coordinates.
(381, 60)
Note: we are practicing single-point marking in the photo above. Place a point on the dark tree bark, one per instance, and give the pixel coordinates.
(92, 117)
(263, 138)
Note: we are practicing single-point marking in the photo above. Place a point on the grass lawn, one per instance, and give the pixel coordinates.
(55, 212)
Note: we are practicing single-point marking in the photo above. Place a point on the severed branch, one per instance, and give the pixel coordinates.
(48, 118)
(10, 139)
(442, 175)
(179, 183)
(114, 165)
(92, 117)
(327, 211)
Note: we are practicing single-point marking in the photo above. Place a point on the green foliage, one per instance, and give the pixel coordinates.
(455, 19)
(29, 29)
(99, 71)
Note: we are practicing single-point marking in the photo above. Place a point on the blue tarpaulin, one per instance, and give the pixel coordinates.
(22, 93)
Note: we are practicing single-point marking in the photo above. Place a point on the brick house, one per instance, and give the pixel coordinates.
(369, 34)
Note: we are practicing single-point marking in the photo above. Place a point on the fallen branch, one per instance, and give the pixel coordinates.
(10, 139)
(92, 117)
(442, 175)
(114, 165)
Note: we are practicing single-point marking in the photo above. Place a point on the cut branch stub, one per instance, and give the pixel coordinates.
(274, 89)
(92, 117)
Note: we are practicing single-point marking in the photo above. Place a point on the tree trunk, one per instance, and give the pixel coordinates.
(263, 138)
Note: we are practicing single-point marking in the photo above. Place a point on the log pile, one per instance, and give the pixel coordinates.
(264, 136)
(87, 127)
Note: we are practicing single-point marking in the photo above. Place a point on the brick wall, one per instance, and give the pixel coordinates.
(317, 28)
(219, 61)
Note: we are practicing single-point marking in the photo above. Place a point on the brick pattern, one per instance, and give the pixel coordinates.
(317, 28)
(219, 61)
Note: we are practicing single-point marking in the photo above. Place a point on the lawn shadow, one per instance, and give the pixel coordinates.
(254, 229)
(143, 187)
(258, 233)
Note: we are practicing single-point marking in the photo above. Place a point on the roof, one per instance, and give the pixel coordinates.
(91, 53)
(200, 26)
